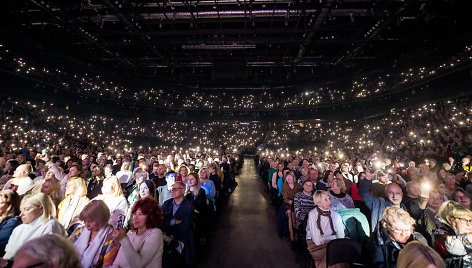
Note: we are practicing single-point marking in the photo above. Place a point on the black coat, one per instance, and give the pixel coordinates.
(382, 250)
(182, 231)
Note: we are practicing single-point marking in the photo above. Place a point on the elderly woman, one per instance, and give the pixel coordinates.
(390, 236)
(452, 238)
(38, 214)
(113, 197)
(37, 253)
(94, 241)
(339, 198)
(72, 205)
(143, 246)
(9, 211)
(324, 224)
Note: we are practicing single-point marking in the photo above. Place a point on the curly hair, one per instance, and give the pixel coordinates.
(151, 208)
(394, 214)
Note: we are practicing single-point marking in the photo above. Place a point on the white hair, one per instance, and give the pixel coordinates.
(52, 250)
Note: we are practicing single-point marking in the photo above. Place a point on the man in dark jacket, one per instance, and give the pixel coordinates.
(178, 220)
(394, 195)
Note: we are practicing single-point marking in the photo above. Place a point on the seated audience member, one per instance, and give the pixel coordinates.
(377, 205)
(125, 174)
(95, 183)
(325, 182)
(416, 255)
(9, 212)
(303, 204)
(289, 189)
(52, 187)
(158, 174)
(50, 250)
(215, 178)
(183, 174)
(339, 198)
(393, 232)
(143, 246)
(427, 220)
(147, 189)
(21, 182)
(462, 197)
(178, 220)
(38, 214)
(324, 224)
(75, 201)
(412, 198)
(378, 187)
(197, 197)
(207, 184)
(94, 241)
(113, 197)
(75, 170)
(164, 192)
(10, 167)
(452, 238)
(43, 172)
(133, 190)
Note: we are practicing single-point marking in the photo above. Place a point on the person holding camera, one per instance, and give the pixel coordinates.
(142, 246)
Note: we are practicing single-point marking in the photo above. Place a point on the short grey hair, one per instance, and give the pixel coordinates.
(53, 250)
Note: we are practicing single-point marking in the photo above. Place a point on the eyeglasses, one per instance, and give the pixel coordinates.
(464, 221)
(177, 188)
(399, 231)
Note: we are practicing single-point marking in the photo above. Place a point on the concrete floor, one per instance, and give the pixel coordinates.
(246, 232)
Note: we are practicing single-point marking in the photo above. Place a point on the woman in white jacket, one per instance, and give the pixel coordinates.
(144, 244)
(112, 195)
(38, 214)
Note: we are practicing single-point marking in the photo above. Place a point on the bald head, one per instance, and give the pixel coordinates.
(394, 194)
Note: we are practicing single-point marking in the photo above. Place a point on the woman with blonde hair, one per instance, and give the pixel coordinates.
(452, 237)
(51, 187)
(94, 241)
(38, 214)
(390, 236)
(339, 198)
(415, 255)
(184, 171)
(9, 211)
(324, 224)
(75, 201)
(113, 197)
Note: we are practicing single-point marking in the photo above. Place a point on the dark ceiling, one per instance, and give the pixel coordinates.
(236, 44)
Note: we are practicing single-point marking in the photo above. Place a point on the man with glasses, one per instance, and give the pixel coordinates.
(178, 220)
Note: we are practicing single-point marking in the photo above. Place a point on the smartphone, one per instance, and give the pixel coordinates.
(121, 221)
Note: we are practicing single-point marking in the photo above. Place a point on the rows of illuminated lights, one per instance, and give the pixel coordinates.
(96, 85)
(426, 130)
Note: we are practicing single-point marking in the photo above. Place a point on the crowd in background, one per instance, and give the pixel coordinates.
(382, 200)
(139, 210)
(99, 86)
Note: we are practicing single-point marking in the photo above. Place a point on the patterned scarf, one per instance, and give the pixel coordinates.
(326, 214)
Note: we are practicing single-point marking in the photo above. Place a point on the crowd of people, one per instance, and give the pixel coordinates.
(99, 86)
(382, 202)
(105, 211)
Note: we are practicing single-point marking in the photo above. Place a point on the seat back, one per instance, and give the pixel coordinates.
(355, 224)
(344, 250)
